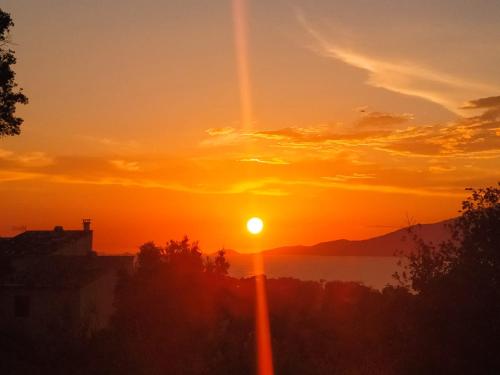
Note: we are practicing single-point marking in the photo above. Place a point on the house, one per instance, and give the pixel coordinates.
(52, 281)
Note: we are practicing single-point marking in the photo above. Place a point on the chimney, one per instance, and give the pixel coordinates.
(88, 236)
(86, 225)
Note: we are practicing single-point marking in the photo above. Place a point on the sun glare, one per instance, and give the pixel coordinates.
(255, 225)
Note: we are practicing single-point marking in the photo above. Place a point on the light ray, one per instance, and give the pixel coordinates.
(263, 333)
(241, 46)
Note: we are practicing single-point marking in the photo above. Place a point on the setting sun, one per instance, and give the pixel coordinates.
(255, 225)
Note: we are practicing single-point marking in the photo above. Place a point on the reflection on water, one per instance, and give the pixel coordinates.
(372, 271)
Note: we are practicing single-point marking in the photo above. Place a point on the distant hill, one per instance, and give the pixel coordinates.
(384, 245)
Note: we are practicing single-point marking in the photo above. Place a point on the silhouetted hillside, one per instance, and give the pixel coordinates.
(384, 245)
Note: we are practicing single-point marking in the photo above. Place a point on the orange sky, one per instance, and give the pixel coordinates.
(326, 119)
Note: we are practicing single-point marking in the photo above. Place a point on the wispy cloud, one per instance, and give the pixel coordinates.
(381, 120)
(473, 137)
(404, 77)
(389, 189)
(380, 152)
(490, 105)
(441, 168)
(26, 159)
(220, 131)
(353, 176)
(111, 143)
(266, 186)
(236, 182)
(9, 176)
(481, 103)
(272, 161)
(129, 166)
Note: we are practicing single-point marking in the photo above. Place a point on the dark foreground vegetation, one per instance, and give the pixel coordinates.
(180, 313)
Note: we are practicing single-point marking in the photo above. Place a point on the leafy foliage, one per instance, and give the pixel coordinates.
(470, 258)
(9, 95)
(458, 291)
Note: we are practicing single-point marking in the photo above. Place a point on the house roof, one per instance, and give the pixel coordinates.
(40, 242)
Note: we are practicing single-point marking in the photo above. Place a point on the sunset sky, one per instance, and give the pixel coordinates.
(328, 119)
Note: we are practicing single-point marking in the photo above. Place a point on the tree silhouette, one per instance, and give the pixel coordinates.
(9, 95)
(457, 302)
(470, 257)
(221, 265)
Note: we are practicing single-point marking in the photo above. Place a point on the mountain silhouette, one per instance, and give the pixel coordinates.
(384, 245)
